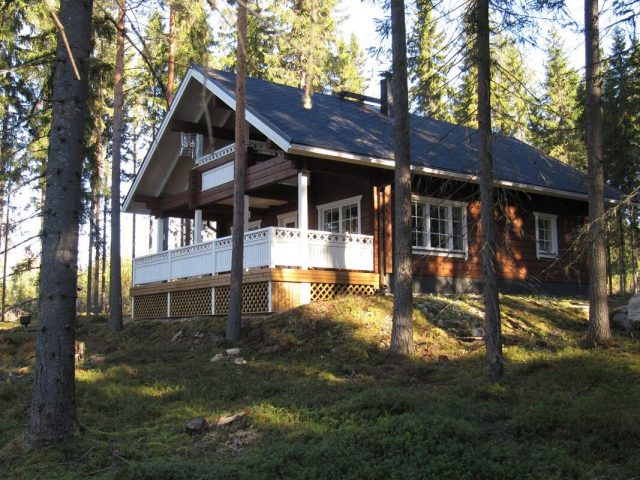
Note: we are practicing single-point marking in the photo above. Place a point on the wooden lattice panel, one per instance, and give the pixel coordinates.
(255, 298)
(326, 291)
(191, 302)
(153, 305)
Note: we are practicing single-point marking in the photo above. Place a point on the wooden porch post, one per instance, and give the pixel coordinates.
(247, 213)
(197, 231)
(303, 200)
(162, 234)
(303, 216)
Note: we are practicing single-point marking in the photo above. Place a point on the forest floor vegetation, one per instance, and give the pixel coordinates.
(318, 396)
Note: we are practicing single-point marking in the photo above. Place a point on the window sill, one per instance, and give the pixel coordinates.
(438, 253)
(547, 256)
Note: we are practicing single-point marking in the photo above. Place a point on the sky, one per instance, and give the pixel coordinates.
(360, 20)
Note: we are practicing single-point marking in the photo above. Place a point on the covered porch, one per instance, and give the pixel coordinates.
(312, 226)
(286, 262)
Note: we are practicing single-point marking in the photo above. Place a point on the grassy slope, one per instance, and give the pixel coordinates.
(324, 400)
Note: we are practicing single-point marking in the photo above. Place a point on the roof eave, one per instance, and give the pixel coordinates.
(389, 164)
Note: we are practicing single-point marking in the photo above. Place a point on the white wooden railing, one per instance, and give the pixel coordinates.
(266, 247)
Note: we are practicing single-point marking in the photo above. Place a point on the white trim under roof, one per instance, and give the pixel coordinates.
(251, 118)
(156, 140)
(389, 164)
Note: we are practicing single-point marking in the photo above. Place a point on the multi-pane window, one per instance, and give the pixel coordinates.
(331, 220)
(546, 235)
(439, 225)
(340, 217)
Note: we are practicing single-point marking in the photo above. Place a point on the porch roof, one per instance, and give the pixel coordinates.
(351, 131)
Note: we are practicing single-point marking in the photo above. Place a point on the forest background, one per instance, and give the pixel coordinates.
(537, 85)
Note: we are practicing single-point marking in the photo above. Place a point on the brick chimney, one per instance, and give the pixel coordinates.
(386, 94)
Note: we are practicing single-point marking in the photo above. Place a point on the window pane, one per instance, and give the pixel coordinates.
(457, 216)
(439, 224)
(331, 220)
(350, 218)
(545, 242)
(418, 225)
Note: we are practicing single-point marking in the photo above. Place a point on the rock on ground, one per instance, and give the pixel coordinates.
(196, 425)
(633, 312)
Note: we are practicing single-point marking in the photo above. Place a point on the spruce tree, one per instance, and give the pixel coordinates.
(53, 405)
(427, 51)
(555, 125)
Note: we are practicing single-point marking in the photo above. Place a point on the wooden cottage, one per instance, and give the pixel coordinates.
(318, 216)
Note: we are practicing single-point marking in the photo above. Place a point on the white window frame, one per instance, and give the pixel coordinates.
(339, 204)
(288, 217)
(449, 252)
(253, 225)
(553, 220)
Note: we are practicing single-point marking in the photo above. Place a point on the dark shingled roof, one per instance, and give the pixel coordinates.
(347, 126)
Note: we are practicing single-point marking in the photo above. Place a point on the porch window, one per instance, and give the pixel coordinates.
(546, 235)
(254, 225)
(342, 216)
(288, 220)
(439, 226)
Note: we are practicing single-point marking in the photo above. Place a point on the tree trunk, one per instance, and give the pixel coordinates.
(151, 234)
(634, 258)
(96, 262)
(5, 243)
(599, 331)
(622, 266)
(133, 236)
(171, 61)
(609, 269)
(402, 329)
(89, 292)
(53, 405)
(4, 222)
(235, 298)
(103, 269)
(187, 231)
(494, 362)
(115, 284)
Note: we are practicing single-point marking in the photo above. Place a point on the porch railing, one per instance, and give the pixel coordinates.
(266, 247)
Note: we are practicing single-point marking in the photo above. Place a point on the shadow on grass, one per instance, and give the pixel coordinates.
(325, 400)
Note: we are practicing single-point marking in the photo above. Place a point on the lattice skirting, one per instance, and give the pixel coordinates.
(191, 302)
(325, 291)
(153, 305)
(255, 298)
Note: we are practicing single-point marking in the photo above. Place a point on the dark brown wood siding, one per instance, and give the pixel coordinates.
(516, 236)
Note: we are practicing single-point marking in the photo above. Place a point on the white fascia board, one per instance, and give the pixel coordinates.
(156, 140)
(389, 164)
(222, 94)
(346, 157)
(251, 117)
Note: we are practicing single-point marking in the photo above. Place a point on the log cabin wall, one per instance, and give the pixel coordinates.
(519, 267)
(325, 188)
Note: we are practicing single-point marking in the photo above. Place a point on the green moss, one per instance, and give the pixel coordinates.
(323, 399)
